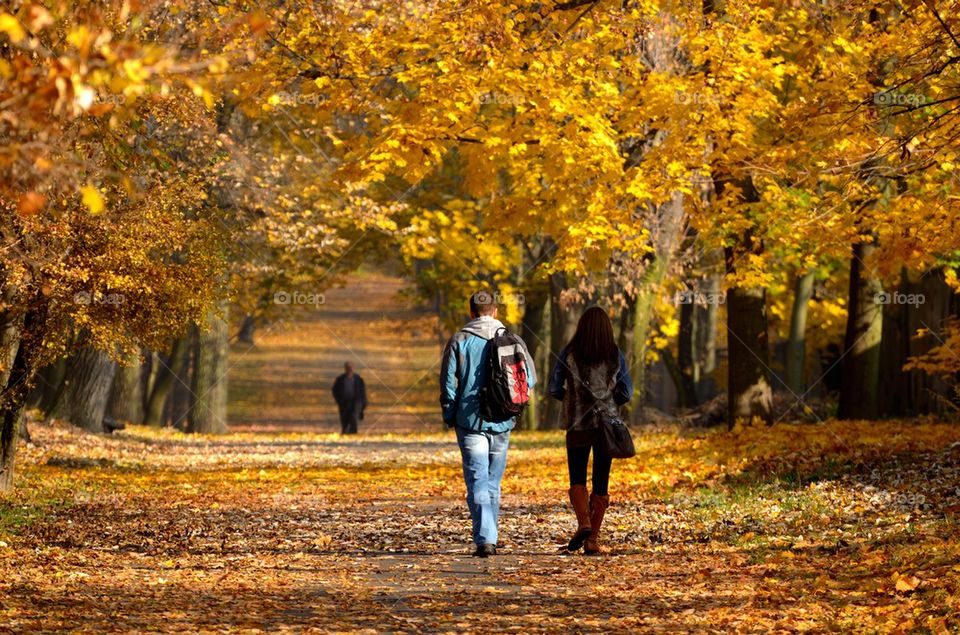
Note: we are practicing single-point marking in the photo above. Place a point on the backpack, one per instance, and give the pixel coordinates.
(506, 393)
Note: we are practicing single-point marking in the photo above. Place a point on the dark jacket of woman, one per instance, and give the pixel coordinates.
(591, 392)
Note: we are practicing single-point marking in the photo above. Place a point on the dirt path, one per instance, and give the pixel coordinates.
(156, 531)
(284, 380)
(309, 533)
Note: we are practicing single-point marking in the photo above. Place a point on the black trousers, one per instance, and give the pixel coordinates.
(579, 445)
(348, 421)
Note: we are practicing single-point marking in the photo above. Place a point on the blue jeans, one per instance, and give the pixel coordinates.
(484, 460)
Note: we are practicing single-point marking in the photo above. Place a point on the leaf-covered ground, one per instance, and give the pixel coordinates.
(849, 527)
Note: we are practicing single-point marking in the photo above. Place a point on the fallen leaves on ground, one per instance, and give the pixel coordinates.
(847, 526)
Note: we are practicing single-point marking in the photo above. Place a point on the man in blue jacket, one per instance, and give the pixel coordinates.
(483, 444)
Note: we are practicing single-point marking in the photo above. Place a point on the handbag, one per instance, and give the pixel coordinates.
(615, 438)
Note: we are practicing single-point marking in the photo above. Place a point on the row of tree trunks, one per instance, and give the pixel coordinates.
(910, 393)
(880, 338)
(89, 386)
(168, 368)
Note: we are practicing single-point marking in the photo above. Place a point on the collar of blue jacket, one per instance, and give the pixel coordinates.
(484, 326)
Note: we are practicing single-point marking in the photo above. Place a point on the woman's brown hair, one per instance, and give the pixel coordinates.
(593, 341)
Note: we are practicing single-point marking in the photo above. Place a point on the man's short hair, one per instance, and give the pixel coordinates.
(482, 303)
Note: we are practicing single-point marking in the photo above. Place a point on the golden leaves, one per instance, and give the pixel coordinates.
(30, 203)
(38, 17)
(92, 199)
(905, 583)
(11, 26)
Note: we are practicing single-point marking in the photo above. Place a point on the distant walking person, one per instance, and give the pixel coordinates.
(592, 379)
(466, 373)
(350, 393)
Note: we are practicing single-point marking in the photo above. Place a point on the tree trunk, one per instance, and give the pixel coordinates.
(49, 380)
(685, 364)
(893, 396)
(82, 399)
(168, 368)
(643, 310)
(563, 321)
(176, 413)
(707, 321)
(665, 235)
(208, 411)
(625, 330)
(126, 394)
(247, 328)
(545, 361)
(861, 364)
(9, 437)
(10, 333)
(531, 326)
(150, 364)
(749, 394)
(642, 318)
(24, 430)
(676, 375)
(796, 344)
(14, 395)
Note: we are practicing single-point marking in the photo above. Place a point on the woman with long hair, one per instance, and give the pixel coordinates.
(592, 379)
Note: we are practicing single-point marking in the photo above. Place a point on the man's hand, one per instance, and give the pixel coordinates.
(449, 415)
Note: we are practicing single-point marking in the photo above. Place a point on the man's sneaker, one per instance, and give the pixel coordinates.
(485, 551)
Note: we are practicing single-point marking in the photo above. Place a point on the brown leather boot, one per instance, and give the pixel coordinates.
(578, 498)
(598, 506)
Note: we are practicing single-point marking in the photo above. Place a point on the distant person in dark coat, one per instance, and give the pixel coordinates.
(350, 393)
